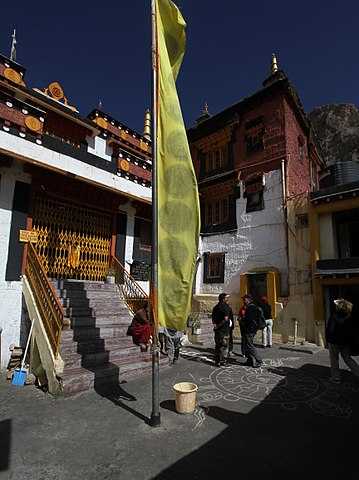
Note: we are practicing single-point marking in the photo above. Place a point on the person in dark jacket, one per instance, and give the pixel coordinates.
(241, 314)
(221, 319)
(250, 324)
(338, 336)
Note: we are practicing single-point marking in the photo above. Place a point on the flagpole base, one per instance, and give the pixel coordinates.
(155, 420)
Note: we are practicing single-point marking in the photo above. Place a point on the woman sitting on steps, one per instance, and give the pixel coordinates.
(140, 328)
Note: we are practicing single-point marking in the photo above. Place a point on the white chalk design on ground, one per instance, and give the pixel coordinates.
(277, 383)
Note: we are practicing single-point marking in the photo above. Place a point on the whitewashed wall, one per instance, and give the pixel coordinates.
(259, 241)
(11, 310)
(23, 149)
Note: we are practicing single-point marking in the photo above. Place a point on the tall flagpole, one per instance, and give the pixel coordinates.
(155, 420)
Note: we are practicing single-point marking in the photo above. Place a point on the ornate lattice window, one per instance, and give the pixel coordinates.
(214, 264)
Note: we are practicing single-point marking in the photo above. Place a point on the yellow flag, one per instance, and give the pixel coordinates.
(178, 204)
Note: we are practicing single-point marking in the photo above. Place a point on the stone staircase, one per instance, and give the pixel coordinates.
(96, 351)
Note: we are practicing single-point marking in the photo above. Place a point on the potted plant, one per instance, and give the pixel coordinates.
(111, 275)
(195, 323)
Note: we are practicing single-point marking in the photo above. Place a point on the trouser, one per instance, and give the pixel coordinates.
(267, 333)
(344, 351)
(251, 353)
(243, 340)
(221, 340)
(230, 340)
(173, 342)
(162, 340)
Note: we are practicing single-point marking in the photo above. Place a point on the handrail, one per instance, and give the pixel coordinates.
(134, 296)
(50, 308)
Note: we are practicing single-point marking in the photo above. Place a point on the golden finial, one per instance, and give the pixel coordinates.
(147, 127)
(205, 109)
(274, 64)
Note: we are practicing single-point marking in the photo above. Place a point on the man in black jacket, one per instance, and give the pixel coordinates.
(221, 319)
(250, 324)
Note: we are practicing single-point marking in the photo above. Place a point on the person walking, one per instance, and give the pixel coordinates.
(252, 319)
(338, 334)
(241, 314)
(173, 344)
(221, 314)
(267, 331)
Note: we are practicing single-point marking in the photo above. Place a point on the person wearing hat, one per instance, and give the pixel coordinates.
(250, 322)
(222, 319)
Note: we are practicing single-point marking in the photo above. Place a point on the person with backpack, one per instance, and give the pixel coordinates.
(253, 321)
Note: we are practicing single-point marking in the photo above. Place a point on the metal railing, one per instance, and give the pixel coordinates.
(47, 302)
(132, 293)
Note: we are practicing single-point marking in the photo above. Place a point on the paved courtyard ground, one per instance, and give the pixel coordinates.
(281, 421)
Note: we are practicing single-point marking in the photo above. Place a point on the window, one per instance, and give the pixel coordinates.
(302, 220)
(217, 212)
(255, 202)
(253, 192)
(254, 135)
(215, 160)
(214, 268)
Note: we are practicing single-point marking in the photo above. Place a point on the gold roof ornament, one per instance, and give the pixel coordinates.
(56, 92)
(274, 64)
(147, 126)
(205, 109)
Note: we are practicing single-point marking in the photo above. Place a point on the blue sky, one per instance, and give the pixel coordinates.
(103, 51)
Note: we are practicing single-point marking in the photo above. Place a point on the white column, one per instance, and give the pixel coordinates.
(10, 292)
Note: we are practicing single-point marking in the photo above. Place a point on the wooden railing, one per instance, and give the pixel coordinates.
(47, 302)
(132, 293)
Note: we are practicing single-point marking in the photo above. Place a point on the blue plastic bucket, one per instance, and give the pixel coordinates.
(19, 377)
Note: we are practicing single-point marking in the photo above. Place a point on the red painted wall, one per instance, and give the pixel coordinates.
(298, 173)
(274, 142)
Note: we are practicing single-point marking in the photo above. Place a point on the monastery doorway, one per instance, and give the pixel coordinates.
(73, 240)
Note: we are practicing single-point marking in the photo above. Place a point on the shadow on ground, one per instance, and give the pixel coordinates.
(5, 444)
(302, 428)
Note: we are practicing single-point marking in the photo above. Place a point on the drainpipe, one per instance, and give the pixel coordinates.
(285, 210)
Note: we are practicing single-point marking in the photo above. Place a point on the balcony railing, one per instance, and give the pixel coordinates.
(134, 296)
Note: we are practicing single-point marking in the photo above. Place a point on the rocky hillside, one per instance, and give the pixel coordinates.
(337, 129)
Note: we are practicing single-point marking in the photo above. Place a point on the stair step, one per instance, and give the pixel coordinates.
(88, 295)
(97, 312)
(107, 376)
(85, 333)
(97, 345)
(118, 358)
(78, 285)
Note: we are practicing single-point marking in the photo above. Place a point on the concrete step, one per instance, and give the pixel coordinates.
(77, 295)
(100, 321)
(78, 285)
(108, 376)
(96, 345)
(86, 333)
(116, 301)
(110, 310)
(117, 357)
